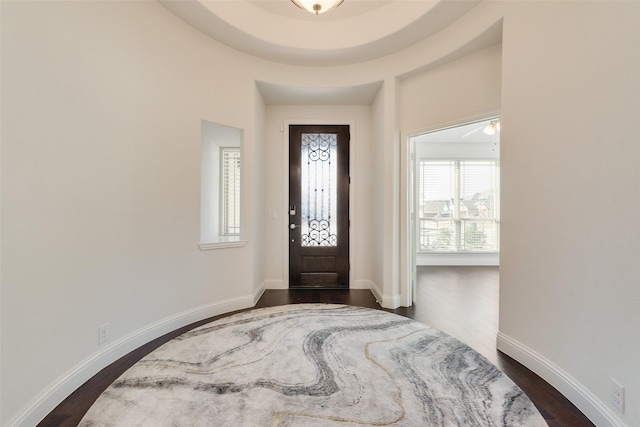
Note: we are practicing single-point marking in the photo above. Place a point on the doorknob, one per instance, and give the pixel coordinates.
(293, 226)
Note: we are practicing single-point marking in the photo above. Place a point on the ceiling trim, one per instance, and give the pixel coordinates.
(361, 36)
(274, 94)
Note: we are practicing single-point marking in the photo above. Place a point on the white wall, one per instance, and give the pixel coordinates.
(377, 194)
(256, 204)
(276, 192)
(101, 111)
(570, 156)
(453, 93)
(390, 169)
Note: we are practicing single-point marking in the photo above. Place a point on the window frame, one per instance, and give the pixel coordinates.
(456, 218)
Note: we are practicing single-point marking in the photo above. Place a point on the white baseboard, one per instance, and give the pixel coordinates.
(598, 412)
(390, 301)
(49, 398)
(377, 292)
(257, 294)
(386, 301)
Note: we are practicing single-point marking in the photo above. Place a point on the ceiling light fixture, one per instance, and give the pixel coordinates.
(317, 6)
(492, 128)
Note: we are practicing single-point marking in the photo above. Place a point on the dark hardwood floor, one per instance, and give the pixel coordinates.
(461, 301)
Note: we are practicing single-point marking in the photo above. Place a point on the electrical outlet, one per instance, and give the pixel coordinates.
(103, 333)
(617, 395)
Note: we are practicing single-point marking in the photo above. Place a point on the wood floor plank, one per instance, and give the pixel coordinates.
(460, 301)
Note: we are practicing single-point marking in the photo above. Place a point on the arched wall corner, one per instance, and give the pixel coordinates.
(482, 38)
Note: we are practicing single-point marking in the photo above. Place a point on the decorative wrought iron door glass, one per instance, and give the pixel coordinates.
(319, 189)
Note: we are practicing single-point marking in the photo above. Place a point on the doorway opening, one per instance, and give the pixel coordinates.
(454, 197)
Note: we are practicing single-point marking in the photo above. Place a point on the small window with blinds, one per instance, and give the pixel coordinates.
(230, 191)
(459, 206)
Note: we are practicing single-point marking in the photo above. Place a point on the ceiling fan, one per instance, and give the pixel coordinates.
(490, 129)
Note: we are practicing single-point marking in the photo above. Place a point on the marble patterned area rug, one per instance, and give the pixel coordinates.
(313, 365)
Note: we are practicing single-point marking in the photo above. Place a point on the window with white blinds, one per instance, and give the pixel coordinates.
(458, 206)
(230, 190)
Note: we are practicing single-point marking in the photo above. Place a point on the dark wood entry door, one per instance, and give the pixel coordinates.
(319, 206)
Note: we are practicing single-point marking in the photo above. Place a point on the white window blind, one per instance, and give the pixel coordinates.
(230, 191)
(459, 206)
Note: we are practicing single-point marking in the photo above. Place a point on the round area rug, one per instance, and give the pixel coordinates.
(313, 365)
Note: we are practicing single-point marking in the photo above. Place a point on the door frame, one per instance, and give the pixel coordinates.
(408, 253)
(285, 193)
(408, 197)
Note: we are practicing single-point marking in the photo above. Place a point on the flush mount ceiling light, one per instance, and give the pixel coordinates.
(317, 6)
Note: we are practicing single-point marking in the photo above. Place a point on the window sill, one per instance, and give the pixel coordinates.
(458, 258)
(223, 243)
